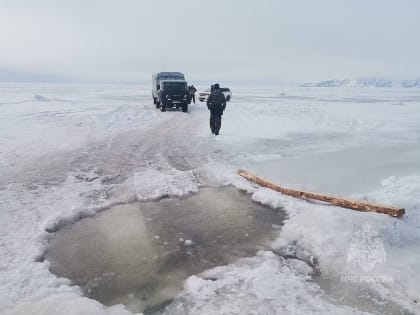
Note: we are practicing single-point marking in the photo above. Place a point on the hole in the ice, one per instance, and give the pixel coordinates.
(140, 254)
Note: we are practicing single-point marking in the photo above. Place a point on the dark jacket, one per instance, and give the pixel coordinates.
(192, 89)
(216, 102)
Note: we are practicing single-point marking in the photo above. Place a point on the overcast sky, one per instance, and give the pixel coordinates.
(245, 41)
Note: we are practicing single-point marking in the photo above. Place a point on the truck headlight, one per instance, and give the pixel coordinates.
(167, 96)
(185, 96)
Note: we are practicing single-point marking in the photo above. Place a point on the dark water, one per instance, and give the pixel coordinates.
(140, 254)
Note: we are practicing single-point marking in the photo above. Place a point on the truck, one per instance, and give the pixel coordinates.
(170, 90)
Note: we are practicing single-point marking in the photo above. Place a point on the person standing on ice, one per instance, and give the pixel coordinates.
(216, 103)
(192, 91)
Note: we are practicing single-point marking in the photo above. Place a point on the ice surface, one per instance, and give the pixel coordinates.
(139, 248)
(70, 151)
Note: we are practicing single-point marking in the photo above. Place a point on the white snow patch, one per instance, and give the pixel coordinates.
(64, 304)
(154, 183)
(327, 231)
(265, 284)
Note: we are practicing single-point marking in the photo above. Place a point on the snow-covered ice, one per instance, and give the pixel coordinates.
(69, 151)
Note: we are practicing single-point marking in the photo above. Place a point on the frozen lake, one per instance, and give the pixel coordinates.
(68, 153)
(344, 172)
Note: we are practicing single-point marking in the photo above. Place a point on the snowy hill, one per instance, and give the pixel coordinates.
(410, 83)
(347, 82)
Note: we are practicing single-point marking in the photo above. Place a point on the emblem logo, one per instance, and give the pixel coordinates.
(366, 249)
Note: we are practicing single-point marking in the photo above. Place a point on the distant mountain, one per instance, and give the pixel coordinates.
(410, 83)
(364, 83)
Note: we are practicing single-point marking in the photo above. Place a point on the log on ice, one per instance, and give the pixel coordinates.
(338, 201)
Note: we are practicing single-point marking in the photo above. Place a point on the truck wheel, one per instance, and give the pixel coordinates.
(228, 98)
(162, 107)
(185, 108)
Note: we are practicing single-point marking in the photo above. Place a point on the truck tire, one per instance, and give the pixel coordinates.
(156, 102)
(185, 108)
(228, 98)
(162, 107)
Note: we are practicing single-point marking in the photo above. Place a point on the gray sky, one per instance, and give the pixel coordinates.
(244, 41)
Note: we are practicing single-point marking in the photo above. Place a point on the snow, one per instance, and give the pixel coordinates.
(327, 232)
(65, 303)
(69, 151)
(265, 284)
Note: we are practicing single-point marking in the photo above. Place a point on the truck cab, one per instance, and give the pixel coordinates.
(173, 94)
(161, 76)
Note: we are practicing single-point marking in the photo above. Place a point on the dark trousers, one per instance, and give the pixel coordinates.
(215, 123)
(193, 97)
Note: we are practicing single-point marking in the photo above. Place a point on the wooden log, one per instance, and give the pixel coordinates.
(342, 202)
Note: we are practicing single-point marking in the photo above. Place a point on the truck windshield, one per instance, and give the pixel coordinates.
(174, 86)
(170, 78)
